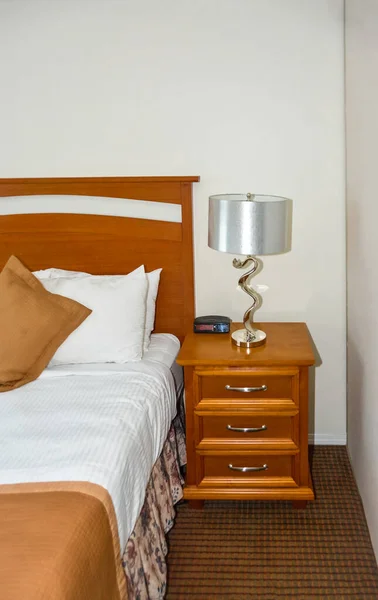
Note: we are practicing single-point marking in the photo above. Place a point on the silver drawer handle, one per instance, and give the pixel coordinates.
(261, 388)
(246, 469)
(247, 429)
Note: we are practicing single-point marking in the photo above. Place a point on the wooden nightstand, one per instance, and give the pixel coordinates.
(246, 415)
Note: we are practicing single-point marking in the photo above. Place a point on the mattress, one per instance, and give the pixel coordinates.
(105, 424)
(164, 348)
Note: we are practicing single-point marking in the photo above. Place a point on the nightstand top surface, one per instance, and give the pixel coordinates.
(286, 344)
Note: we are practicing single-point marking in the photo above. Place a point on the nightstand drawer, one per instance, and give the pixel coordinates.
(259, 470)
(245, 385)
(243, 427)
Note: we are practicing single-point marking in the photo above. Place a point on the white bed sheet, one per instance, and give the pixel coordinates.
(100, 423)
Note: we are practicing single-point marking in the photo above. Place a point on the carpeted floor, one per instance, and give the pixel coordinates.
(268, 550)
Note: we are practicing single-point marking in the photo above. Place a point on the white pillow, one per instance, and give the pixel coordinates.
(153, 287)
(114, 332)
(153, 279)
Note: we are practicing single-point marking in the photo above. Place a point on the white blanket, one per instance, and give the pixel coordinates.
(90, 425)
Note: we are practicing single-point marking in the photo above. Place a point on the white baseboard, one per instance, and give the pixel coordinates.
(325, 439)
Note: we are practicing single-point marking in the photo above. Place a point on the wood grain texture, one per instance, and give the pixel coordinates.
(211, 363)
(157, 189)
(218, 471)
(109, 245)
(251, 493)
(214, 386)
(271, 432)
(218, 406)
(303, 427)
(288, 340)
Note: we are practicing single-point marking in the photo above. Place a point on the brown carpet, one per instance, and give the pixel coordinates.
(268, 550)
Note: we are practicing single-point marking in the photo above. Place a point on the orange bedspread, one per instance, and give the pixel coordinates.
(59, 541)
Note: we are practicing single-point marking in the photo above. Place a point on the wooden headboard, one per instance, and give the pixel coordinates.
(106, 244)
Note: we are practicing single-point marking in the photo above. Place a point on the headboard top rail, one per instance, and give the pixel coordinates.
(155, 189)
(74, 180)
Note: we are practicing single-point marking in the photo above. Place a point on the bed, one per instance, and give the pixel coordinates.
(86, 532)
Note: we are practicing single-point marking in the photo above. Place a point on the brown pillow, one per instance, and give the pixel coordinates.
(33, 324)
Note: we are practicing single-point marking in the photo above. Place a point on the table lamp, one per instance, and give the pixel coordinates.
(251, 225)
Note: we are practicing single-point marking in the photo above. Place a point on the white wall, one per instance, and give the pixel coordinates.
(246, 93)
(362, 208)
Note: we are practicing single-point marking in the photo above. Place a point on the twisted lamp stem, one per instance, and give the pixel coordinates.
(251, 332)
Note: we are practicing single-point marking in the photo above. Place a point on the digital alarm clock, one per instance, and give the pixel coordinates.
(211, 324)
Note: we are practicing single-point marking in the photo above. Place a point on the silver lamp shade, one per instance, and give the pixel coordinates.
(252, 225)
(248, 224)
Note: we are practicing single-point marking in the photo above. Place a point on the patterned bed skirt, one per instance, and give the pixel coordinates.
(144, 557)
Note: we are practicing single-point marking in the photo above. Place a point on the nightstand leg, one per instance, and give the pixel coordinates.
(197, 504)
(299, 504)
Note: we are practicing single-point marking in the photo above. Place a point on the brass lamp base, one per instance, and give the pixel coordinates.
(244, 339)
